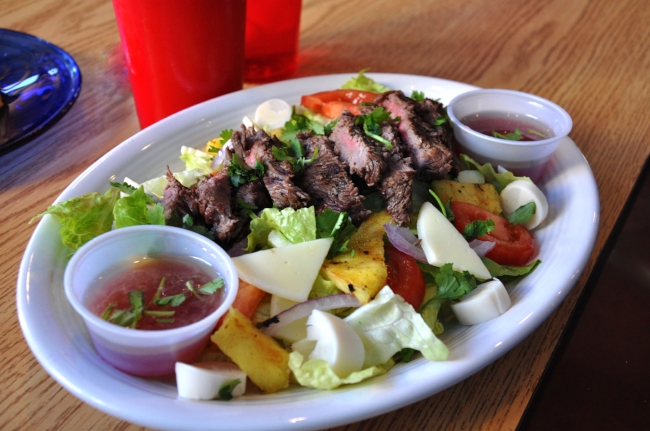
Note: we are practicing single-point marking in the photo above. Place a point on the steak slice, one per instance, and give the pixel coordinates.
(255, 194)
(428, 146)
(254, 146)
(364, 156)
(178, 199)
(216, 204)
(327, 182)
(396, 188)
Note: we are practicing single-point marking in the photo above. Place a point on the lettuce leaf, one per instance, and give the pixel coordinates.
(85, 217)
(506, 272)
(388, 324)
(317, 374)
(363, 83)
(156, 186)
(196, 159)
(294, 226)
(137, 209)
(491, 176)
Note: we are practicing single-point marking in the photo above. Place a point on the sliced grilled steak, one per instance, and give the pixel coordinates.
(327, 182)
(278, 174)
(216, 204)
(364, 156)
(396, 188)
(255, 194)
(428, 146)
(178, 199)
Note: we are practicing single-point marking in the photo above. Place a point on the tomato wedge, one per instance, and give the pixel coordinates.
(405, 277)
(514, 244)
(330, 104)
(247, 299)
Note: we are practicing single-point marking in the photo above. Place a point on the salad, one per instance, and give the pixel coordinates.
(361, 288)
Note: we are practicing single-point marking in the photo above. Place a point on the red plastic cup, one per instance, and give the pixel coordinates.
(272, 33)
(180, 52)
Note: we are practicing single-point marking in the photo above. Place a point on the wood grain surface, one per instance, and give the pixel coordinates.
(591, 57)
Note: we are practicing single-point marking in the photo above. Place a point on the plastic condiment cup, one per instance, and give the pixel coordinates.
(145, 352)
(527, 158)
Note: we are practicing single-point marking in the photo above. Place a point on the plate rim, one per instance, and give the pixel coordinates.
(313, 422)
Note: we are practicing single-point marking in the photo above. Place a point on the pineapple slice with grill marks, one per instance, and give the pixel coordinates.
(362, 273)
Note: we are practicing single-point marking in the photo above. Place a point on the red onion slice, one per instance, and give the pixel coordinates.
(304, 309)
(481, 247)
(404, 240)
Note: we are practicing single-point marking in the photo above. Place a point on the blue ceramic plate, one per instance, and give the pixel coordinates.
(39, 82)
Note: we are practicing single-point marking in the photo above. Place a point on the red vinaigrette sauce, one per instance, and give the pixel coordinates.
(146, 275)
(489, 122)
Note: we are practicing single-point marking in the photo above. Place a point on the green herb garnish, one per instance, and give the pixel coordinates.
(240, 173)
(535, 132)
(478, 228)
(512, 136)
(452, 284)
(445, 209)
(417, 96)
(372, 124)
(225, 392)
(522, 214)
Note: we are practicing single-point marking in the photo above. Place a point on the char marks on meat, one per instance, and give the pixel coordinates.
(178, 199)
(364, 156)
(396, 188)
(216, 204)
(427, 145)
(255, 146)
(254, 193)
(327, 182)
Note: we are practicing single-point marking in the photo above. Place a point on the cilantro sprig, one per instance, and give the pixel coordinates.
(523, 214)
(512, 136)
(478, 228)
(240, 173)
(453, 284)
(372, 124)
(332, 224)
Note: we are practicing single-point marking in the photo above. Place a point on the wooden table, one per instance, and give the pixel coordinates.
(591, 57)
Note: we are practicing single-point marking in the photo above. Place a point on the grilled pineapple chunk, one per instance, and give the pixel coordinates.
(481, 195)
(259, 356)
(363, 273)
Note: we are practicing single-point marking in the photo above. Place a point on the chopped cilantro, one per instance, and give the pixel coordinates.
(512, 136)
(440, 121)
(332, 224)
(174, 300)
(301, 124)
(225, 392)
(129, 317)
(211, 287)
(452, 284)
(522, 214)
(123, 187)
(188, 223)
(417, 96)
(240, 173)
(478, 228)
(372, 124)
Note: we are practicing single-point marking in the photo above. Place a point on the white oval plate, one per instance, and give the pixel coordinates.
(60, 342)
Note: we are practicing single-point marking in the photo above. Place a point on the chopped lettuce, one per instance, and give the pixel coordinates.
(505, 272)
(85, 217)
(388, 324)
(278, 228)
(491, 176)
(430, 308)
(317, 374)
(196, 159)
(363, 83)
(156, 186)
(137, 209)
(295, 226)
